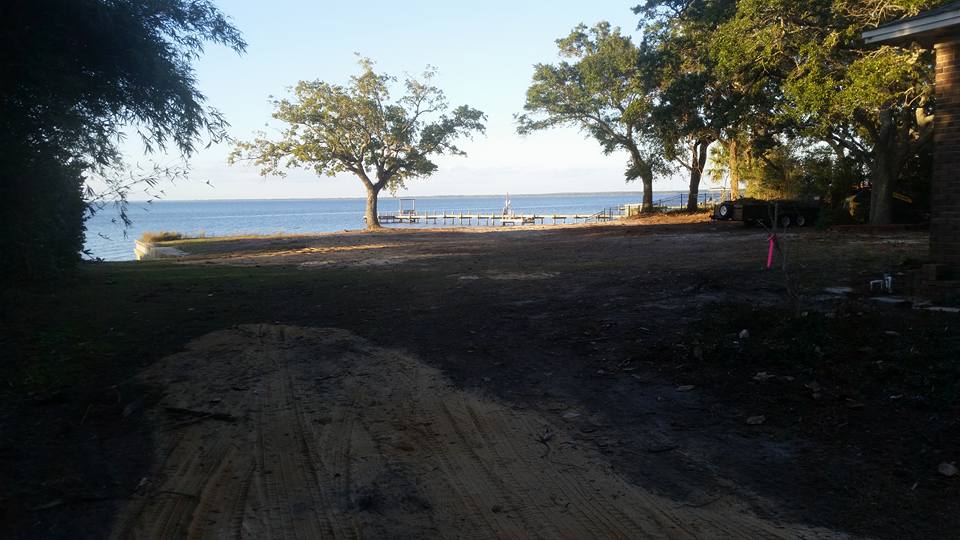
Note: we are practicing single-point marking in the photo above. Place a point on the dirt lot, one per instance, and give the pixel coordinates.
(628, 380)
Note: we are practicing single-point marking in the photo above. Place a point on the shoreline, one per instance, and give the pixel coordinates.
(108, 239)
(192, 247)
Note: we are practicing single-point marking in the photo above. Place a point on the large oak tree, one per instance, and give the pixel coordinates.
(357, 129)
(691, 104)
(870, 104)
(603, 91)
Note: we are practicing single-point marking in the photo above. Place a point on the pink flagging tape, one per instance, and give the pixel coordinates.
(772, 240)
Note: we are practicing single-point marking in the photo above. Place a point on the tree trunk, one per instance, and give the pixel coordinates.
(733, 162)
(894, 143)
(647, 179)
(882, 175)
(370, 215)
(640, 168)
(698, 159)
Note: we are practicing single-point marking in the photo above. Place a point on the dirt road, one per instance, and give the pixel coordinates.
(319, 434)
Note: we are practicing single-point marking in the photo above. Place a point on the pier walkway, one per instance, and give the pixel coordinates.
(508, 217)
(494, 218)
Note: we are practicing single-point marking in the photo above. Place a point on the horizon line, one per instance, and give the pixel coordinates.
(418, 196)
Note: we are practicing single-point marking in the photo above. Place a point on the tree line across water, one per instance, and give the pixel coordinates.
(783, 98)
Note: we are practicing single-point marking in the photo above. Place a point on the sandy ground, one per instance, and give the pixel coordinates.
(657, 244)
(329, 436)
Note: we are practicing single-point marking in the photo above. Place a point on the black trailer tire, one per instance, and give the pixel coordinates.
(725, 211)
(786, 220)
(801, 220)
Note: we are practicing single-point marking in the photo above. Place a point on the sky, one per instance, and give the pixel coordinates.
(484, 53)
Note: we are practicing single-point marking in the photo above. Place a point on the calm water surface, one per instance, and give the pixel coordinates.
(106, 238)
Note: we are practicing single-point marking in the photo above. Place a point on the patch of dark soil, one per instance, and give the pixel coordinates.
(872, 391)
(70, 458)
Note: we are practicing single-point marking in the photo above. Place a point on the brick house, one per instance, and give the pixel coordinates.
(938, 29)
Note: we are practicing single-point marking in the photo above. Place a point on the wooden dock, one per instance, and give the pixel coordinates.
(493, 218)
(407, 213)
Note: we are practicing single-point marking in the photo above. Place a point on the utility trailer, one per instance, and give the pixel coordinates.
(786, 212)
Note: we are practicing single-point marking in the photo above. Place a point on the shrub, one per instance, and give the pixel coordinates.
(161, 236)
(42, 215)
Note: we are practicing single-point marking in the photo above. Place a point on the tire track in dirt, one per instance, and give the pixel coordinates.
(336, 438)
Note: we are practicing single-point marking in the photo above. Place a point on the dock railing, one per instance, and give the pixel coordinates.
(676, 201)
(492, 217)
(679, 201)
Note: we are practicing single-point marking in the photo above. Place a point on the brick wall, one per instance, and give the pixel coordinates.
(945, 205)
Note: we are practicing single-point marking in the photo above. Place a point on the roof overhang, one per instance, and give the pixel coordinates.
(926, 29)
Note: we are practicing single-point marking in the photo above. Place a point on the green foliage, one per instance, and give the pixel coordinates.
(41, 214)
(792, 169)
(696, 105)
(87, 68)
(692, 103)
(358, 129)
(603, 90)
(774, 72)
(869, 103)
(80, 72)
(826, 176)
